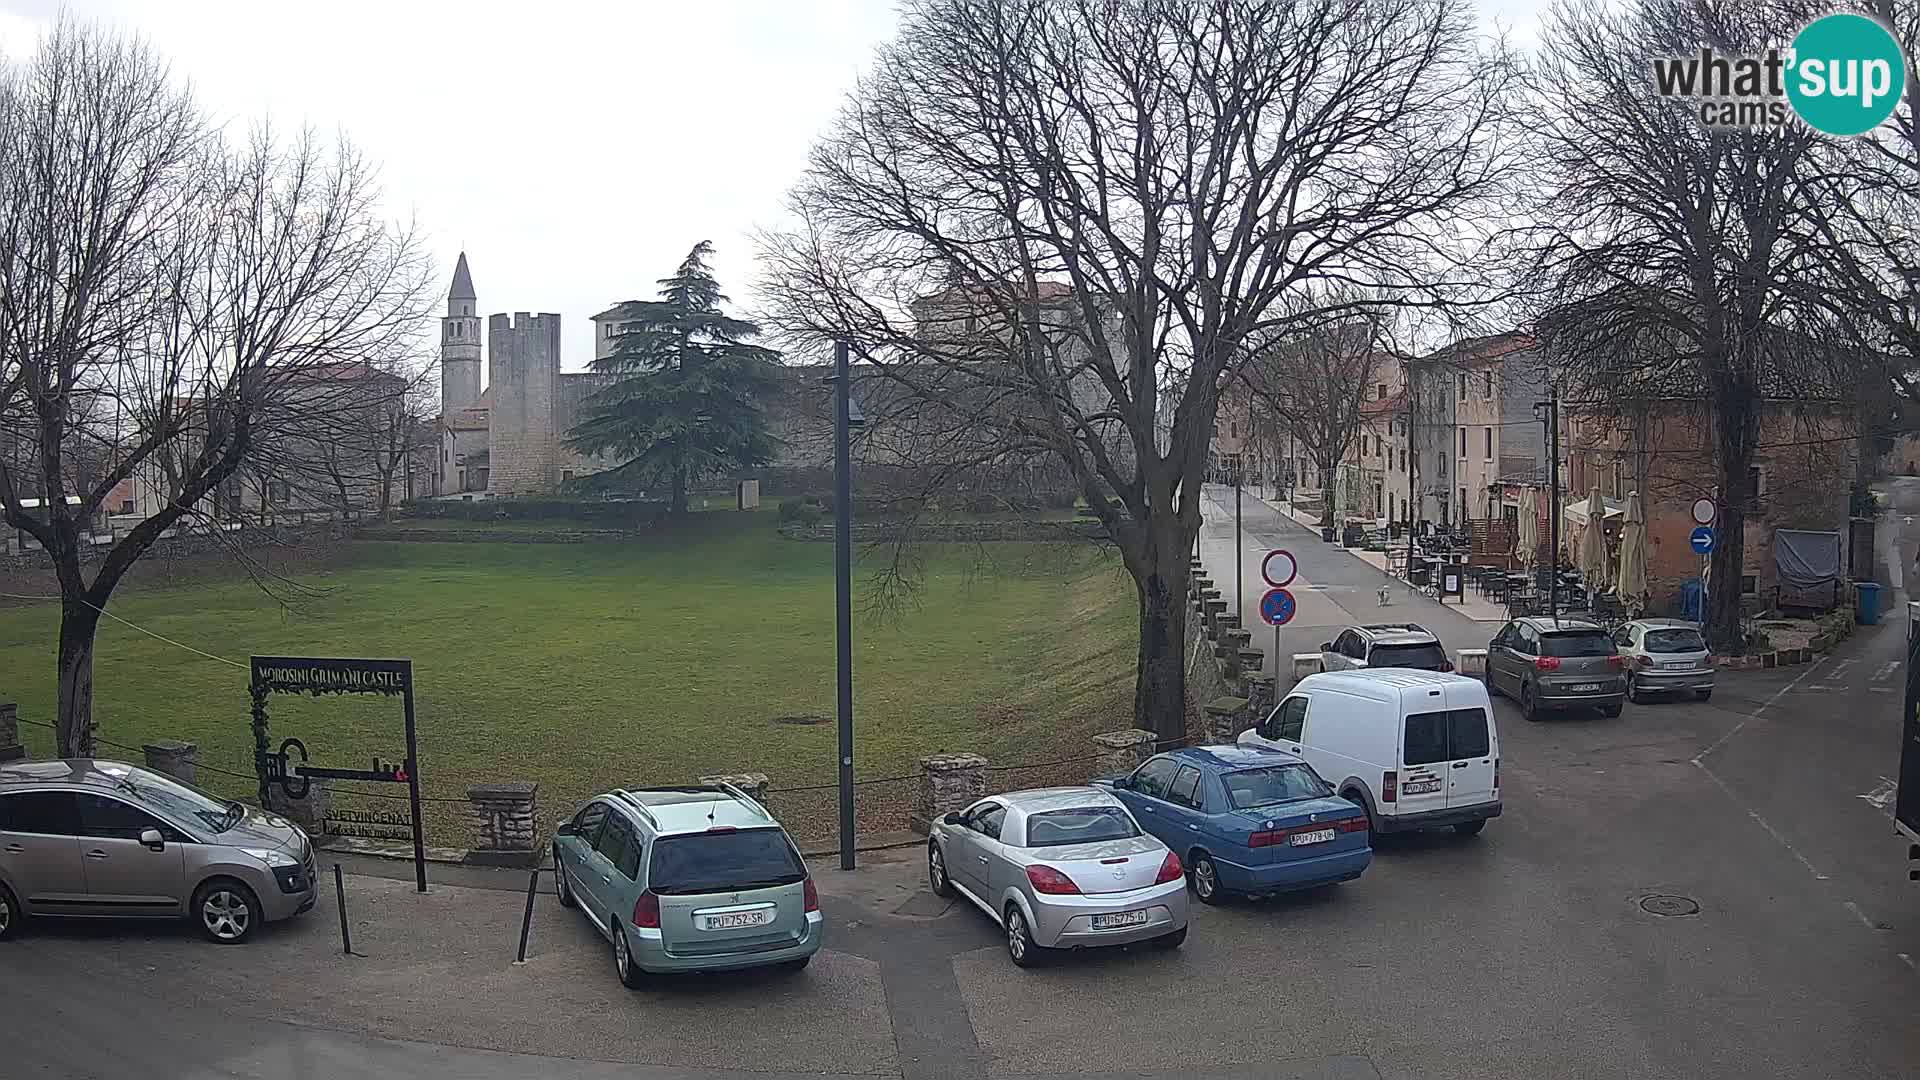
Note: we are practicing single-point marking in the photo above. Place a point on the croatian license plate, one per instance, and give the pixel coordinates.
(1119, 920)
(1584, 688)
(1420, 787)
(736, 920)
(1676, 665)
(1317, 836)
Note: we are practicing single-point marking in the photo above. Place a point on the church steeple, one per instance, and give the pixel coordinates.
(460, 343)
(462, 286)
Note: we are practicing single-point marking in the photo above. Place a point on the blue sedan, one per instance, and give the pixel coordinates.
(1246, 820)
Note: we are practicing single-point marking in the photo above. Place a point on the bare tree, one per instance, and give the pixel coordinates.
(161, 296)
(1314, 383)
(1672, 254)
(1050, 220)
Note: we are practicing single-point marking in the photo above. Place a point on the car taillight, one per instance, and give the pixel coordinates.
(813, 896)
(1496, 774)
(1546, 663)
(1352, 824)
(1045, 879)
(1266, 837)
(1170, 870)
(1616, 661)
(1389, 786)
(646, 912)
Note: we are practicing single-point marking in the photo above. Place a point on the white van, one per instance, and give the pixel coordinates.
(1418, 749)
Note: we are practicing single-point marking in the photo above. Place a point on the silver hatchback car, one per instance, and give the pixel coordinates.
(1665, 656)
(101, 839)
(1060, 868)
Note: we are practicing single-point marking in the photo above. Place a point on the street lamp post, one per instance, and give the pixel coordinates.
(846, 415)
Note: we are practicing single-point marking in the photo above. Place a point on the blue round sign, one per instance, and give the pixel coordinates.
(1702, 540)
(1277, 607)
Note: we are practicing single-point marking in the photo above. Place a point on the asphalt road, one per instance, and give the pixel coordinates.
(1524, 952)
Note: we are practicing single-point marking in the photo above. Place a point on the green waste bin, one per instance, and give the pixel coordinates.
(1867, 602)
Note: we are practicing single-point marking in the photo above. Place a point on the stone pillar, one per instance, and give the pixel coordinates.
(1236, 637)
(1214, 608)
(309, 813)
(1305, 664)
(170, 758)
(1226, 719)
(1260, 696)
(1251, 661)
(754, 784)
(1472, 662)
(1229, 621)
(1123, 751)
(948, 782)
(10, 748)
(503, 817)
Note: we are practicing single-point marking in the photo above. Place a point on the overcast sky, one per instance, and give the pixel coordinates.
(575, 150)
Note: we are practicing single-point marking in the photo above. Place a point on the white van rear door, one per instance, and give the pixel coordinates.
(1424, 759)
(1472, 744)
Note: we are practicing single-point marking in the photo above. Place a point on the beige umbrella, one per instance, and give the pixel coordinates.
(1527, 544)
(1592, 557)
(1633, 557)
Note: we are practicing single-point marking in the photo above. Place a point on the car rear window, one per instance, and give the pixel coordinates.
(1270, 784)
(723, 861)
(1428, 657)
(1575, 643)
(1081, 825)
(1678, 639)
(1446, 736)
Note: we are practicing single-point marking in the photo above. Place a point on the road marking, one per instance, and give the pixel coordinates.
(1822, 688)
(1861, 915)
(1880, 689)
(1762, 822)
(1886, 671)
(1907, 960)
(1764, 706)
(1840, 666)
(1881, 797)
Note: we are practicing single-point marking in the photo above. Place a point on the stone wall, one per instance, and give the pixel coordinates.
(522, 442)
(953, 532)
(495, 536)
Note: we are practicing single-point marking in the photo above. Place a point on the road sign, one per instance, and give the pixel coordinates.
(1279, 568)
(1703, 511)
(1702, 540)
(1277, 607)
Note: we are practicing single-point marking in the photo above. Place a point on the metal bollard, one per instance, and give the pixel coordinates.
(526, 921)
(340, 896)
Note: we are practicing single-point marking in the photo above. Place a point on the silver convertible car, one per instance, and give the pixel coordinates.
(1060, 868)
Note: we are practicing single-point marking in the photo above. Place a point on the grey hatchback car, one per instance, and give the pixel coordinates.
(83, 838)
(1547, 663)
(697, 878)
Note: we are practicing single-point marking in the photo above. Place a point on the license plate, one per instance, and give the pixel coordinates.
(1119, 919)
(1676, 665)
(1420, 787)
(736, 920)
(1584, 688)
(1318, 836)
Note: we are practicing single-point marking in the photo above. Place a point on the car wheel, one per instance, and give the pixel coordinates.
(1529, 707)
(1703, 695)
(1470, 828)
(624, 966)
(225, 911)
(1633, 690)
(1610, 711)
(1171, 941)
(560, 881)
(1204, 879)
(1493, 684)
(797, 965)
(1020, 947)
(10, 914)
(1353, 796)
(937, 879)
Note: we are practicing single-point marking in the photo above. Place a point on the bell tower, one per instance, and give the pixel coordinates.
(460, 344)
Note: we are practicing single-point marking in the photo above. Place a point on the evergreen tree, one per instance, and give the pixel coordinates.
(685, 398)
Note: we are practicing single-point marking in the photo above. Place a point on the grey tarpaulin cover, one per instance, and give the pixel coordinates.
(1806, 560)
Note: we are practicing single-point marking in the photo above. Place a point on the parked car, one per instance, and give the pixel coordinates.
(1415, 749)
(1384, 645)
(694, 878)
(1247, 819)
(84, 838)
(1665, 656)
(1060, 868)
(1546, 663)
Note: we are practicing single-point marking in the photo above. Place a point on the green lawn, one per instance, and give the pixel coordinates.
(649, 661)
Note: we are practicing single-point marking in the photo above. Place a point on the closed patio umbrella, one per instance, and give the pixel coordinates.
(1527, 544)
(1592, 558)
(1632, 588)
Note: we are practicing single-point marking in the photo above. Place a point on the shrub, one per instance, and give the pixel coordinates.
(982, 503)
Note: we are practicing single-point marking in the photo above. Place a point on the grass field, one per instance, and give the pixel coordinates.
(704, 649)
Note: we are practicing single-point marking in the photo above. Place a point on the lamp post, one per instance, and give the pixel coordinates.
(846, 416)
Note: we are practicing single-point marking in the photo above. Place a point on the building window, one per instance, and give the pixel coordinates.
(1463, 436)
(1233, 429)
(1489, 439)
(1462, 377)
(1486, 384)
(126, 506)
(1749, 585)
(1463, 504)
(1756, 481)
(566, 475)
(1380, 391)
(1443, 465)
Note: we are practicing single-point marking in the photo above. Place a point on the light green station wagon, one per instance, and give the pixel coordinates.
(698, 878)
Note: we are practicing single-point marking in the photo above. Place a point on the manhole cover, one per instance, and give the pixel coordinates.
(1669, 905)
(802, 718)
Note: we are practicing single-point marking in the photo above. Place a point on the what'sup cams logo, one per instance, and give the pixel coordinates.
(1844, 75)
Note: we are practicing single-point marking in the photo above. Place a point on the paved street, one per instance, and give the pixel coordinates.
(1522, 953)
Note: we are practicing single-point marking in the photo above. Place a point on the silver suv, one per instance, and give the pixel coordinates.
(101, 839)
(1384, 645)
(696, 878)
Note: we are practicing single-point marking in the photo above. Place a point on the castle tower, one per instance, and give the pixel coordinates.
(460, 344)
(523, 447)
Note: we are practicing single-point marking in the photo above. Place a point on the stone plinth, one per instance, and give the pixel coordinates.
(1230, 621)
(1123, 751)
(1251, 661)
(1238, 638)
(753, 784)
(1226, 719)
(1305, 664)
(171, 758)
(310, 813)
(948, 782)
(503, 818)
(1260, 695)
(10, 748)
(1229, 658)
(1471, 662)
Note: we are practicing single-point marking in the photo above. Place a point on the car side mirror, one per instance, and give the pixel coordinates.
(1326, 646)
(153, 839)
(1125, 783)
(565, 828)
(955, 818)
